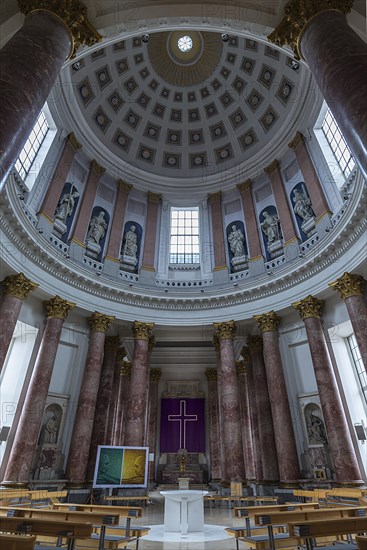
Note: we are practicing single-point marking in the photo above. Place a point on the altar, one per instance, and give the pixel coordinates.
(184, 511)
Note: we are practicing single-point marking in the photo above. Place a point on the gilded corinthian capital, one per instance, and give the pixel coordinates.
(74, 16)
(255, 343)
(18, 286)
(267, 321)
(155, 375)
(142, 331)
(98, 322)
(309, 307)
(240, 367)
(246, 355)
(226, 330)
(349, 285)
(211, 375)
(112, 342)
(58, 308)
(297, 14)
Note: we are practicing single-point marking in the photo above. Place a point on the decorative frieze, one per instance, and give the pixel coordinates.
(255, 343)
(226, 330)
(18, 286)
(155, 375)
(211, 375)
(58, 308)
(267, 321)
(98, 322)
(349, 284)
(142, 331)
(309, 307)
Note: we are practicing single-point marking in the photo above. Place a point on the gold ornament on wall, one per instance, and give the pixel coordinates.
(142, 331)
(267, 322)
(18, 286)
(309, 307)
(226, 330)
(349, 285)
(58, 308)
(98, 322)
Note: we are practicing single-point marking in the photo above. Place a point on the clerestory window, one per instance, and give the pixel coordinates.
(337, 144)
(31, 147)
(358, 364)
(184, 236)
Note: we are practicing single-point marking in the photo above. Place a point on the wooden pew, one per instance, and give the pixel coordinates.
(241, 511)
(315, 495)
(7, 495)
(361, 541)
(122, 511)
(212, 499)
(12, 541)
(305, 515)
(241, 532)
(309, 530)
(124, 498)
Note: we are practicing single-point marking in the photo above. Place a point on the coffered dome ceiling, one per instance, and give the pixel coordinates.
(158, 112)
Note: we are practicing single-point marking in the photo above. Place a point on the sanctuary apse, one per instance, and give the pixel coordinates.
(238, 352)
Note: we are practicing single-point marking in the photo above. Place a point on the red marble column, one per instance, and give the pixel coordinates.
(103, 401)
(314, 188)
(121, 400)
(268, 451)
(137, 399)
(214, 426)
(215, 201)
(151, 344)
(339, 439)
(222, 452)
(26, 437)
(337, 58)
(248, 448)
(83, 426)
(52, 196)
(253, 239)
(16, 289)
(155, 375)
(351, 289)
(253, 414)
(114, 244)
(234, 463)
(112, 408)
(148, 263)
(85, 210)
(286, 219)
(282, 420)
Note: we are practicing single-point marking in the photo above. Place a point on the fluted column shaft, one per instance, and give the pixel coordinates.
(253, 239)
(286, 219)
(268, 452)
(254, 422)
(155, 375)
(248, 448)
(16, 290)
(136, 410)
(26, 436)
(114, 244)
(214, 426)
(83, 425)
(215, 201)
(148, 262)
(234, 463)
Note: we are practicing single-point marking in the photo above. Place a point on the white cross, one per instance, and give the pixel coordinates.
(182, 418)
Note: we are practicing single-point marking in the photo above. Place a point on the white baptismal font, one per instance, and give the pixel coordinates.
(184, 511)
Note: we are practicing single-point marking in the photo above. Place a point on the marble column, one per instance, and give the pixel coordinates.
(103, 401)
(319, 33)
(222, 452)
(148, 263)
(81, 227)
(282, 420)
(351, 289)
(112, 408)
(254, 244)
(214, 426)
(269, 459)
(83, 426)
(114, 243)
(123, 386)
(27, 433)
(314, 188)
(286, 219)
(248, 447)
(246, 354)
(215, 201)
(234, 463)
(155, 375)
(52, 195)
(339, 438)
(137, 399)
(151, 344)
(16, 289)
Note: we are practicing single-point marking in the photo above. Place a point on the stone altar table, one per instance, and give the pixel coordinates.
(184, 511)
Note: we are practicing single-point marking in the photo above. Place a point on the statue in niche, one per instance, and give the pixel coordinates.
(97, 228)
(130, 247)
(302, 205)
(66, 205)
(50, 428)
(316, 429)
(236, 241)
(270, 226)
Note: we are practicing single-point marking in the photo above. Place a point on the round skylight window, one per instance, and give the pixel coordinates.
(185, 43)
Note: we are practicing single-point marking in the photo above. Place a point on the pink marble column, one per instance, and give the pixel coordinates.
(248, 448)
(222, 453)
(26, 437)
(87, 201)
(114, 244)
(137, 399)
(103, 401)
(282, 420)
(151, 344)
(112, 408)
(52, 196)
(246, 354)
(253, 239)
(215, 201)
(83, 426)
(351, 289)
(155, 375)
(148, 263)
(339, 439)
(214, 426)
(314, 188)
(121, 400)
(286, 219)
(16, 289)
(337, 58)
(234, 462)
(268, 451)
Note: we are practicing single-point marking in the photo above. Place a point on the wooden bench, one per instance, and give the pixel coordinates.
(241, 532)
(241, 511)
(361, 541)
(309, 530)
(130, 532)
(305, 515)
(9, 495)
(144, 499)
(213, 499)
(12, 541)
(122, 511)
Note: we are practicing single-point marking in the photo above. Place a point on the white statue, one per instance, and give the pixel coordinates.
(270, 227)
(316, 429)
(50, 430)
(130, 247)
(97, 228)
(66, 205)
(236, 241)
(302, 205)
